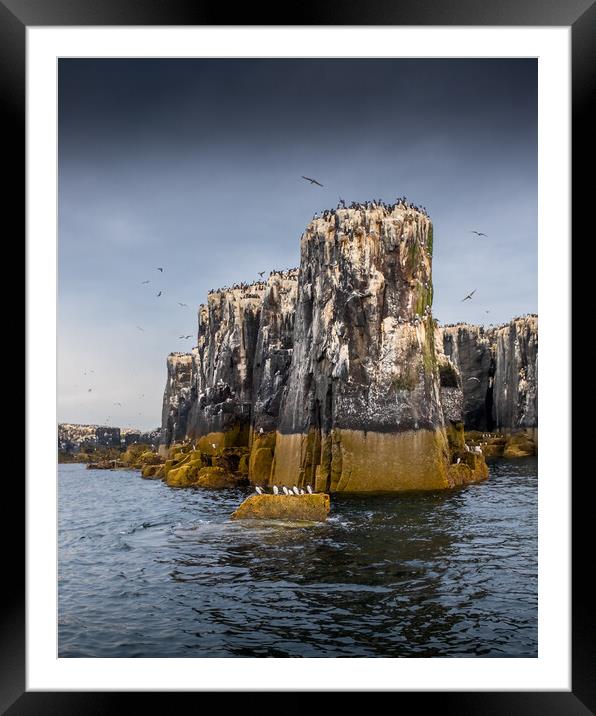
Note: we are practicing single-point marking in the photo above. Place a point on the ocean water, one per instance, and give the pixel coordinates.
(150, 571)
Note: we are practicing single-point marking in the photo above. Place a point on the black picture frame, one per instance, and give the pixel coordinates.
(16, 16)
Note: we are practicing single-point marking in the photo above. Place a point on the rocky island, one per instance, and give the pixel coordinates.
(336, 375)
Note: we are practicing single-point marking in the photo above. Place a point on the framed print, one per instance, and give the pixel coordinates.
(285, 404)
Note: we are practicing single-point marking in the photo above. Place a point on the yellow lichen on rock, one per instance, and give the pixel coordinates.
(310, 508)
(183, 476)
(358, 461)
(217, 478)
(472, 468)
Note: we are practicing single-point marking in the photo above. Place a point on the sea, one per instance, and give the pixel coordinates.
(145, 570)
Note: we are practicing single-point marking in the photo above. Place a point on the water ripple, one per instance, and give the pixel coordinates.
(146, 571)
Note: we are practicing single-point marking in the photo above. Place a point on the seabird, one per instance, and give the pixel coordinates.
(458, 460)
(261, 273)
(258, 490)
(285, 490)
(309, 489)
(140, 329)
(469, 295)
(213, 445)
(275, 490)
(467, 448)
(185, 305)
(260, 431)
(312, 181)
(159, 268)
(478, 233)
(159, 294)
(295, 490)
(142, 282)
(89, 390)
(301, 491)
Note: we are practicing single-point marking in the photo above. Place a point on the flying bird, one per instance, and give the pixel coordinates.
(140, 329)
(312, 181)
(89, 390)
(261, 273)
(120, 404)
(469, 295)
(159, 268)
(478, 233)
(159, 294)
(143, 282)
(183, 304)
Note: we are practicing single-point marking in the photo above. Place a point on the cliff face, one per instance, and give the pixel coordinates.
(273, 357)
(515, 388)
(361, 410)
(177, 398)
(499, 369)
(223, 365)
(469, 348)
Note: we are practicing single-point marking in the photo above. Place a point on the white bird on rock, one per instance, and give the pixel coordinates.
(213, 445)
(309, 489)
(295, 490)
(301, 491)
(258, 490)
(458, 460)
(275, 490)
(285, 490)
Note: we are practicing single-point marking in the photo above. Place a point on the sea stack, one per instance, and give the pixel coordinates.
(332, 374)
(362, 409)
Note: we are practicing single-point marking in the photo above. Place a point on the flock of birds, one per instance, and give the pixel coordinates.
(256, 285)
(158, 295)
(284, 490)
(400, 203)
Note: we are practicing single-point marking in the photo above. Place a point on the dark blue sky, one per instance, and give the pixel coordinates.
(195, 165)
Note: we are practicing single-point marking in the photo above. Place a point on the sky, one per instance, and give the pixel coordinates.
(195, 165)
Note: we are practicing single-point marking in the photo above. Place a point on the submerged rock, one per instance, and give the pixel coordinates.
(311, 508)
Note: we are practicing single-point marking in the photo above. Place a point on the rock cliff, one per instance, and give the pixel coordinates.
(361, 410)
(330, 374)
(499, 371)
(177, 398)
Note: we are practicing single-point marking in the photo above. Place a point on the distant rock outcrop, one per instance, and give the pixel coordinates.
(177, 398)
(499, 370)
